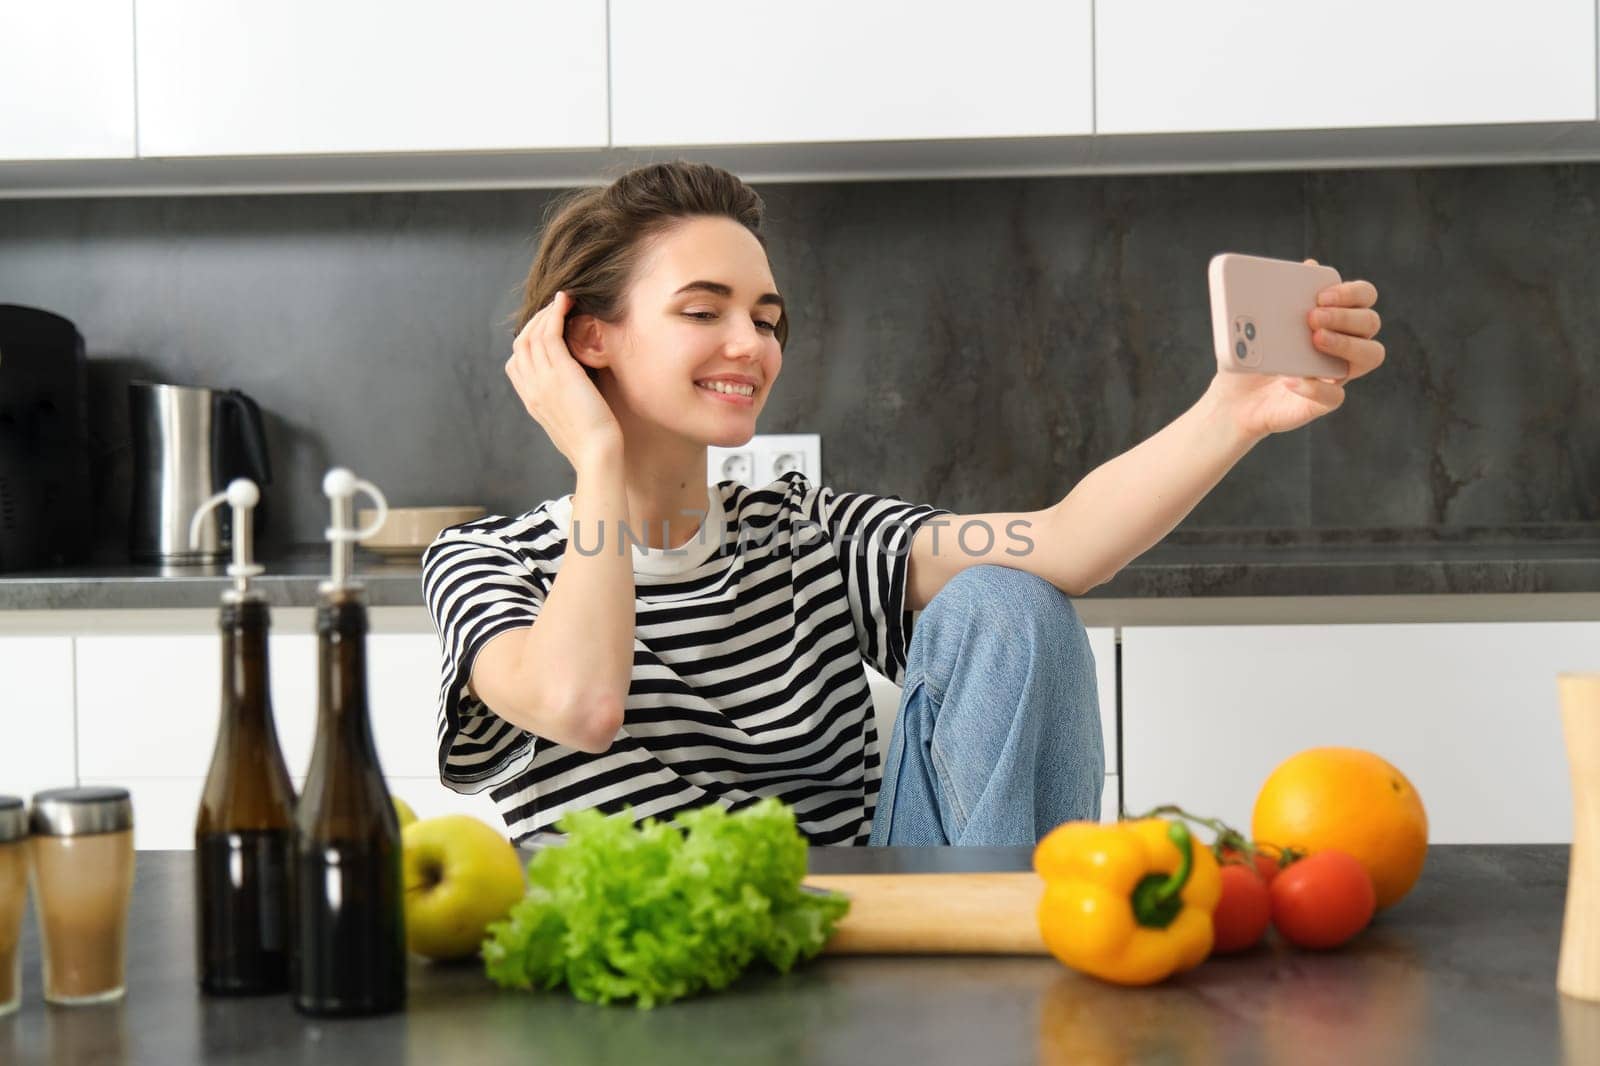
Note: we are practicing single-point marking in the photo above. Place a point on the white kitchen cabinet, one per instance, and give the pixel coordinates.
(1109, 797)
(1174, 66)
(403, 698)
(1103, 643)
(1468, 712)
(149, 706)
(36, 725)
(67, 80)
(764, 72)
(240, 78)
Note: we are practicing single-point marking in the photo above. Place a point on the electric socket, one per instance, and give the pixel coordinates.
(766, 458)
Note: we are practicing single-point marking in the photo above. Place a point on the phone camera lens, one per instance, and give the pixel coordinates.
(1250, 331)
(1239, 349)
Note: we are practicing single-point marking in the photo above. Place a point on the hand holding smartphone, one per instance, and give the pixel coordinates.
(1258, 316)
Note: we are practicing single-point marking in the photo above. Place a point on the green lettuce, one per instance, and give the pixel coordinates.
(662, 910)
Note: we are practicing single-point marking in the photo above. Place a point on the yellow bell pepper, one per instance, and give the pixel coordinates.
(1130, 902)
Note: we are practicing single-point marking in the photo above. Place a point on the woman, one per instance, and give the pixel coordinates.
(654, 642)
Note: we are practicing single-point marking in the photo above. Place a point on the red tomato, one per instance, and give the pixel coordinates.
(1266, 864)
(1242, 912)
(1322, 900)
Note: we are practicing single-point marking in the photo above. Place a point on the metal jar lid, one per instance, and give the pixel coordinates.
(13, 819)
(71, 812)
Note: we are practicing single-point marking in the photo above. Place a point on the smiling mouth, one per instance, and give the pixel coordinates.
(726, 388)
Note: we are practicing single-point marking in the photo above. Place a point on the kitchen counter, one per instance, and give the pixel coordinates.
(1461, 971)
(287, 583)
(1197, 565)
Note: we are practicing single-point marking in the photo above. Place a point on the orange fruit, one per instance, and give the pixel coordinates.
(1350, 800)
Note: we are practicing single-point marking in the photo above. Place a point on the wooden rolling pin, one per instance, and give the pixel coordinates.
(936, 914)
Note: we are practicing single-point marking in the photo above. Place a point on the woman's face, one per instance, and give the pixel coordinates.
(703, 306)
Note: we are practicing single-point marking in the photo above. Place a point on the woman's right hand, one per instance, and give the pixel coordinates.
(555, 388)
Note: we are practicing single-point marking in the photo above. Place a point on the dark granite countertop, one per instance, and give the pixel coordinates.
(1461, 971)
(1360, 563)
(1207, 563)
(117, 586)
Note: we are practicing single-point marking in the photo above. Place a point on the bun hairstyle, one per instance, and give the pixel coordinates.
(593, 239)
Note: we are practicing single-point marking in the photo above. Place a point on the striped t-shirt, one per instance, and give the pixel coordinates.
(748, 652)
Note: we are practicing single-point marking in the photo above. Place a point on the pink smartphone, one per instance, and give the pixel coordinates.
(1258, 316)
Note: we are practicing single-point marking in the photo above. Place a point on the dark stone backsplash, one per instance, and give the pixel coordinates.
(980, 345)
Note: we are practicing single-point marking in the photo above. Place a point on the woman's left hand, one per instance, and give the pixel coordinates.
(1343, 324)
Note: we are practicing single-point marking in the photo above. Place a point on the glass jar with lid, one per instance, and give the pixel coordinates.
(13, 898)
(82, 848)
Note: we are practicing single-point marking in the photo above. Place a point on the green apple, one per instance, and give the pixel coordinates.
(460, 875)
(403, 809)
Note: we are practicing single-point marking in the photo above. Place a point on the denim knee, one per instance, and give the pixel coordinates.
(1012, 598)
(998, 610)
(999, 638)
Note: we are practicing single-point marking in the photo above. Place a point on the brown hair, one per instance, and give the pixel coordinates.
(593, 238)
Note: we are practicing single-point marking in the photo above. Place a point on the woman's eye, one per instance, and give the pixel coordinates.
(708, 316)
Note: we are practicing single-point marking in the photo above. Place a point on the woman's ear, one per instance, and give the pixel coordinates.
(586, 340)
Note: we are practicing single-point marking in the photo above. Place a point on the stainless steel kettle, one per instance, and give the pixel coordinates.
(188, 443)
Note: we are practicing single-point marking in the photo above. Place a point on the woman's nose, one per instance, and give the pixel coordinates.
(747, 342)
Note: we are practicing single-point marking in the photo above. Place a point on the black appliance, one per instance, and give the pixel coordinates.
(45, 494)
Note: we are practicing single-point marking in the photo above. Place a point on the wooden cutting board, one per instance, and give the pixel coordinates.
(936, 914)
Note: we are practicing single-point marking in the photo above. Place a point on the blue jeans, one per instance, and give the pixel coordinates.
(998, 737)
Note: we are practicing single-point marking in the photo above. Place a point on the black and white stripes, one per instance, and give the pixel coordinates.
(748, 651)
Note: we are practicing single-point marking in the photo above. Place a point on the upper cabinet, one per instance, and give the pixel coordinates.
(300, 77)
(1175, 66)
(246, 95)
(67, 80)
(720, 72)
